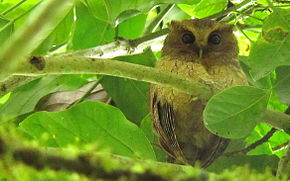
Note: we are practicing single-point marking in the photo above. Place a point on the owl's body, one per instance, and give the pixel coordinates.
(177, 116)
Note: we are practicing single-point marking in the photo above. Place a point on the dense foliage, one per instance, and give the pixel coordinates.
(88, 113)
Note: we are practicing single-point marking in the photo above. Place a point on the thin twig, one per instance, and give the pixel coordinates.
(280, 1)
(87, 93)
(13, 7)
(254, 145)
(158, 19)
(242, 31)
(283, 164)
(281, 146)
(260, 141)
(229, 10)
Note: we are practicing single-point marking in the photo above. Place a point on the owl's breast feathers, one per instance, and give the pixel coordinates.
(177, 116)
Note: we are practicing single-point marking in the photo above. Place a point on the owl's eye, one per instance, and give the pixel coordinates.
(214, 38)
(188, 38)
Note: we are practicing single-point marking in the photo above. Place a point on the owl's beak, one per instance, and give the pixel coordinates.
(200, 52)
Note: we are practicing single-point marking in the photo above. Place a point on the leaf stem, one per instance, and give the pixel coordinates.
(87, 93)
(157, 20)
(283, 164)
(13, 7)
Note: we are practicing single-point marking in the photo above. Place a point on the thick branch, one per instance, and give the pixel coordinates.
(95, 165)
(277, 120)
(201, 88)
(79, 65)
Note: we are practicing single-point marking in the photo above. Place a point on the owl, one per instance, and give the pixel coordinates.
(198, 49)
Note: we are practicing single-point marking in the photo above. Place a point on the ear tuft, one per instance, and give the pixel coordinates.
(228, 27)
(174, 24)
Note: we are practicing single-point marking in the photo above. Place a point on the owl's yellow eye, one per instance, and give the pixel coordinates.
(214, 38)
(188, 38)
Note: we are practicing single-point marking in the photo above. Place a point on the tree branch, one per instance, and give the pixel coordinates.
(138, 45)
(37, 66)
(95, 165)
(254, 145)
(202, 88)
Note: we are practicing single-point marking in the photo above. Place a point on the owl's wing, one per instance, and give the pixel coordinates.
(163, 121)
(219, 147)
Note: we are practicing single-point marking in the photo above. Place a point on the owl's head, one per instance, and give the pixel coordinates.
(200, 39)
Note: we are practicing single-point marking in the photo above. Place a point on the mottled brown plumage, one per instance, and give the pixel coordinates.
(197, 49)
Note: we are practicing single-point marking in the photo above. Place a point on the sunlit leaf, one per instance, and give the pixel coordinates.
(272, 48)
(90, 122)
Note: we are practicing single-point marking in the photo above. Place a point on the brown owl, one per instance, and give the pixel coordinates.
(197, 48)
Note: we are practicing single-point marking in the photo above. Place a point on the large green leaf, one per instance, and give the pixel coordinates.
(40, 23)
(23, 99)
(175, 14)
(6, 29)
(208, 7)
(259, 163)
(233, 112)
(58, 37)
(129, 95)
(90, 122)
(89, 31)
(282, 84)
(272, 48)
(111, 10)
(125, 28)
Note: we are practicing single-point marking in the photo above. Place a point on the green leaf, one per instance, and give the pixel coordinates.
(208, 7)
(282, 84)
(175, 14)
(129, 95)
(90, 122)
(279, 138)
(41, 22)
(263, 83)
(259, 163)
(272, 48)
(259, 132)
(23, 99)
(233, 112)
(256, 17)
(125, 28)
(58, 37)
(89, 31)
(111, 10)
(6, 29)
(275, 103)
(147, 127)
(188, 9)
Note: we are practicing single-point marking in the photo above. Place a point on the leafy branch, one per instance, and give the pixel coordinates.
(202, 88)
